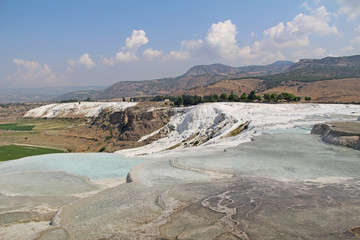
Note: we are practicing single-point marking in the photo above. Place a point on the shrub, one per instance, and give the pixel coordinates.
(223, 97)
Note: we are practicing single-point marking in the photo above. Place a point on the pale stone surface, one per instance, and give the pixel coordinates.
(339, 133)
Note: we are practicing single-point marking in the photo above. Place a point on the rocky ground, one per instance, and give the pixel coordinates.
(339, 133)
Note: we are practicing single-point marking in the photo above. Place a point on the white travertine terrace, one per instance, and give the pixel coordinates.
(76, 109)
(215, 121)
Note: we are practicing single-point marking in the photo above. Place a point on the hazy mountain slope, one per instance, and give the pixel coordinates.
(254, 70)
(19, 95)
(78, 95)
(196, 76)
(23, 98)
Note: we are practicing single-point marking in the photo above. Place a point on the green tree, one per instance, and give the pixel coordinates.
(252, 96)
(267, 97)
(214, 98)
(243, 97)
(274, 97)
(289, 96)
(308, 99)
(280, 97)
(223, 97)
(233, 97)
(179, 101)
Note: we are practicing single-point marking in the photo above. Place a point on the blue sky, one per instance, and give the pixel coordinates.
(96, 42)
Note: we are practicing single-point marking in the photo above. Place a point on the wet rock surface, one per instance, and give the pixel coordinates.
(339, 133)
(202, 198)
(181, 201)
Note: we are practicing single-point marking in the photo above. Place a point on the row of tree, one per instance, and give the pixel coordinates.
(188, 100)
(289, 97)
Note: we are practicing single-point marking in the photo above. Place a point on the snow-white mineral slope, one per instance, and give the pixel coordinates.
(76, 109)
(214, 121)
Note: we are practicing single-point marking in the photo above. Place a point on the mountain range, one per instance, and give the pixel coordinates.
(195, 77)
(331, 79)
(217, 78)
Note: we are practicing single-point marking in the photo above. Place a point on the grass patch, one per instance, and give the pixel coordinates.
(173, 147)
(51, 124)
(21, 133)
(10, 152)
(239, 129)
(16, 127)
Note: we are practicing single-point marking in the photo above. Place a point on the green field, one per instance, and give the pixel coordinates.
(10, 152)
(15, 127)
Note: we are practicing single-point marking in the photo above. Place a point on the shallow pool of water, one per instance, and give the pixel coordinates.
(296, 129)
(281, 156)
(96, 166)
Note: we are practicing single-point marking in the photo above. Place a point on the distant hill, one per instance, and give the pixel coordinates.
(78, 95)
(331, 79)
(21, 95)
(351, 61)
(23, 98)
(274, 68)
(196, 76)
(309, 70)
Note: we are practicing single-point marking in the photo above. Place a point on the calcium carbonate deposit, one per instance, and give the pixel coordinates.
(210, 125)
(76, 109)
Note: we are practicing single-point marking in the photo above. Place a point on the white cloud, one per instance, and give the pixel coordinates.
(221, 39)
(293, 36)
(136, 40)
(126, 57)
(69, 70)
(177, 55)
(220, 42)
(84, 60)
(31, 73)
(192, 45)
(108, 61)
(260, 55)
(347, 49)
(306, 6)
(350, 8)
(150, 53)
(281, 36)
(296, 33)
(288, 39)
(128, 53)
(72, 62)
(357, 29)
(356, 40)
